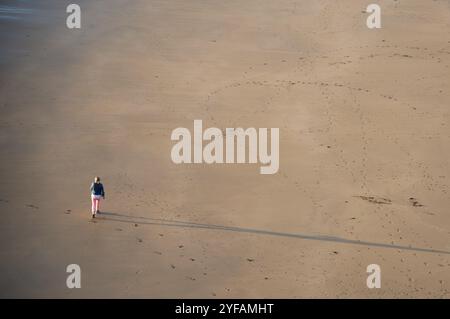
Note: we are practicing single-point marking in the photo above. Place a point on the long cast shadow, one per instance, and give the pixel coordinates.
(184, 224)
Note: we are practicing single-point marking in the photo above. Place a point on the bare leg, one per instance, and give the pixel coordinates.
(97, 205)
(93, 205)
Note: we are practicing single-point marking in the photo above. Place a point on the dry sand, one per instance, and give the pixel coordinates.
(364, 126)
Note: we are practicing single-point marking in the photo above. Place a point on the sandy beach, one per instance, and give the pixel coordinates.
(364, 169)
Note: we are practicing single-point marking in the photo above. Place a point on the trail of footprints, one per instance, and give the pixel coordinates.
(302, 60)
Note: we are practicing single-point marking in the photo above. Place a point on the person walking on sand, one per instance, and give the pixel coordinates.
(97, 192)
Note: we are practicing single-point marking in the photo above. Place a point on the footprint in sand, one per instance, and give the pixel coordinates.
(415, 202)
(376, 199)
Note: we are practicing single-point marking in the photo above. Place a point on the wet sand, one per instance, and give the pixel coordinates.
(364, 149)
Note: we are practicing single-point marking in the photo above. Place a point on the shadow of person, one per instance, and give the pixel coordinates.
(123, 218)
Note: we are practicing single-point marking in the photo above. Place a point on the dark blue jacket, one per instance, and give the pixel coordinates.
(97, 189)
